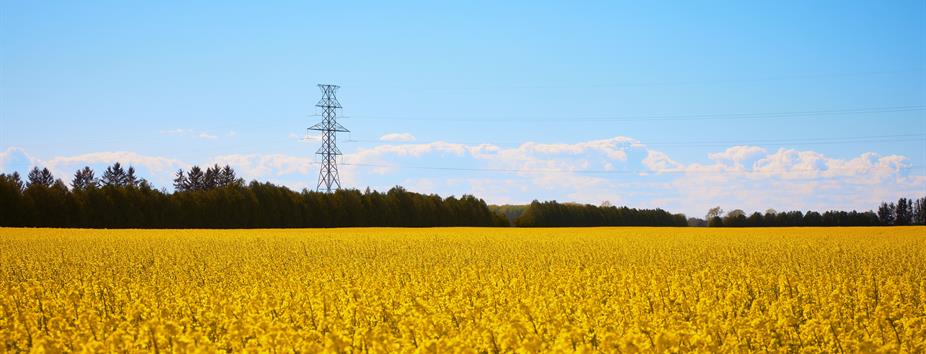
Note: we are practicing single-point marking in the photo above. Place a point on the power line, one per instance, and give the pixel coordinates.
(788, 77)
(703, 143)
(677, 117)
(897, 138)
(588, 171)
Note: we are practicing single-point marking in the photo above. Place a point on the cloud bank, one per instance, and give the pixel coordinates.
(621, 170)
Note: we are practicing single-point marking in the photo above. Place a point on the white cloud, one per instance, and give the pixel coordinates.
(792, 179)
(421, 185)
(207, 136)
(64, 165)
(658, 161)
(791, 164)
(156, 168)
(14, 157)
(376, 153)
(397, 137)
(265, 166)
(526, 156)
(613, 148)
(737, 154)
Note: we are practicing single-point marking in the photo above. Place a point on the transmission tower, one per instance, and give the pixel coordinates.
(328, 176)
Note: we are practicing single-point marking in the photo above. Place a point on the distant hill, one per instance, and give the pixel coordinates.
(510, 211)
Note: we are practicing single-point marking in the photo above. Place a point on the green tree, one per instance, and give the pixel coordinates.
(181, 182)
(919, 211)
(735, 218)
(227, 178)
(886, 213)
(211, 178)
(197, 179)
(84, 179)
(114, 176)
(12, 206)
(46, 202)
(130, 179)
(903, 213)
(812, 218)
(713, 213)
(41, 177)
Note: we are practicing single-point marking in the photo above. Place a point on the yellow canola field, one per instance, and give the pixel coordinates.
(464, 290)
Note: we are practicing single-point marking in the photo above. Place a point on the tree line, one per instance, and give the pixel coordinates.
(217, 198)
(553, 214)
(905, 212)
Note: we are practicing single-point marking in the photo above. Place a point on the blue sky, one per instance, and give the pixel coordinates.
(752, 105)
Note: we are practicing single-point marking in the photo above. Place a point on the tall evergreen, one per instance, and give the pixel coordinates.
(181, 182)
(130, 180)
(196, 178)
(84, 179)
(211, 178)
(41, 177)
(227, 177)
(114, 176)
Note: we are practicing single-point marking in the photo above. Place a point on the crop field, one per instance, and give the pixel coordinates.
(464, 290)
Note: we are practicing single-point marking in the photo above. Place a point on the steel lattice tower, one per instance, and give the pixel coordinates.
(328, 176)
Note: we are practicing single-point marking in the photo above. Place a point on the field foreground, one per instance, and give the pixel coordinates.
(465, 289)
